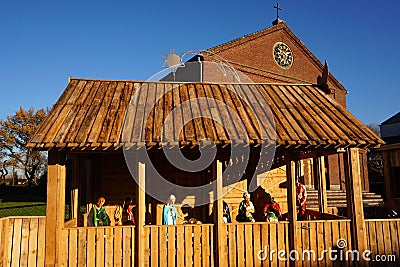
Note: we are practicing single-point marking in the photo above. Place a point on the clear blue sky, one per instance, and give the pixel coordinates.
(44, 42)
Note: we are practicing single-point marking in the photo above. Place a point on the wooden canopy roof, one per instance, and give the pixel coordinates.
(90, 115)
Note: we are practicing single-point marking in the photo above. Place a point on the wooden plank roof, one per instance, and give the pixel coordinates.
(90, 114)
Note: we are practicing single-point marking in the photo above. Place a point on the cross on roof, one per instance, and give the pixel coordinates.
(277, 10)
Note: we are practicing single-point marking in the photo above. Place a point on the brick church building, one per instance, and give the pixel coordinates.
(277, 55)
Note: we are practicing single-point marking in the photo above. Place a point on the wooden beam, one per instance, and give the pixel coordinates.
(6, 241)
(308, 173)
(90, 173)
(141, 211)
(321, 176)
(386, 178)
(74, 205)
(354, 200)
(55, 209)
(218, 210)
(292, 210)
(159, 213)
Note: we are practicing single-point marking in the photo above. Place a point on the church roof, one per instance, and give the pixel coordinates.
(265, 72)
(90, 115)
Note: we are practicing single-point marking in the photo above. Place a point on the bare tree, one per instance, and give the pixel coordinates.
(15, 132)
(3, 167)
(375, 128)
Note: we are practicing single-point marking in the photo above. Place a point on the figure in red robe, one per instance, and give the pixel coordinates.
(301, 200)
(272, 210)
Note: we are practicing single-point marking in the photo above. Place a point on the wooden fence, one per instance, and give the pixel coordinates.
(22, 241)
(246, 244)
(266, 244)
(98, 246)
(383, 240)
(324, 243)
(180, 245)
(254, 244)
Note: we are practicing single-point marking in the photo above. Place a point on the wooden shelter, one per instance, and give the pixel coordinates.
(390, 132)
(83, 135)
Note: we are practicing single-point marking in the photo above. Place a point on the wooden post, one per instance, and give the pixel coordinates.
(141, 212)
(321, 176)
(218, 210)
(6, 242)
(55, 209)
(386, 178)
(308, 173)
(90, 198)
(354, 200)
(301, 168)
(74, 205)
(292, 209)
(364, 169)
(159, 214)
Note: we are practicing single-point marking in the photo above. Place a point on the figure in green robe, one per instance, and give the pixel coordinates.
(246, 210)
(100, 217)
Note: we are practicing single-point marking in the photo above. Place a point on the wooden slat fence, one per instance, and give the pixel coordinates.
(254, 244)
(98, 246)
(23, 244)
(266, 244)
(180, 245)
(383, 240)
(324, 243)
(22, 241)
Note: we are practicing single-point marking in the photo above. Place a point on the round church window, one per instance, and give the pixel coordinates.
(283, 55)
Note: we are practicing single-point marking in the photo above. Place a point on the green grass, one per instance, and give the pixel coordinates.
(10, 209)
(22, 201)
(22, 209)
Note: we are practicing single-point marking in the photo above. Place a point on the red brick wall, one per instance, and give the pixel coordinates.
(256, 51)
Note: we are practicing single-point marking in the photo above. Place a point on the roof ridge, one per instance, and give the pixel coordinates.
(267, 71)
(171, 82)
(395, 118)
(256, 33)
